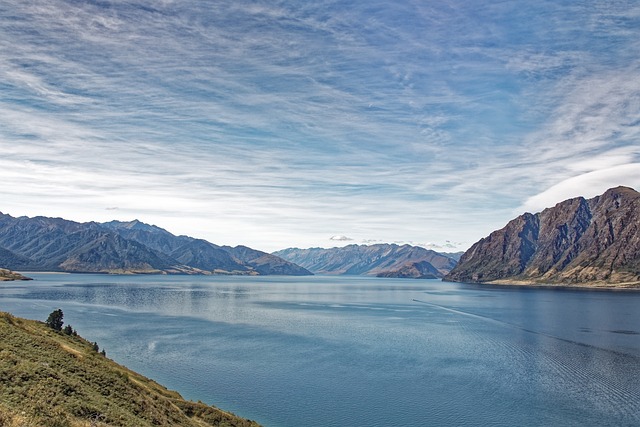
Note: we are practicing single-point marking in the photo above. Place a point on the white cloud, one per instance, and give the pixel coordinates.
(340, 238)
(269, 124)
(586, 185)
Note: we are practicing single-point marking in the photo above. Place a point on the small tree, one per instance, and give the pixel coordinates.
(68, 330)
(96, 348)
(54, 321)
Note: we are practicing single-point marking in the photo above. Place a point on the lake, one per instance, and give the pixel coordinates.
(358, 351)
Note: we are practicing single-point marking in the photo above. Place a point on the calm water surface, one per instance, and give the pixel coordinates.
(335, 351)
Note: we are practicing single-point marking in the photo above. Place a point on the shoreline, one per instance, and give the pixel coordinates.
(595, 286)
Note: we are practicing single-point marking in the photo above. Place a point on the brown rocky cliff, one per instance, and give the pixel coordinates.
(578, 241)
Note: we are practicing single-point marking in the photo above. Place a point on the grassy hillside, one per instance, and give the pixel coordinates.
(51, 379)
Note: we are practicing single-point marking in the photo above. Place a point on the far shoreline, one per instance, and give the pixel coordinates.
(588, 286)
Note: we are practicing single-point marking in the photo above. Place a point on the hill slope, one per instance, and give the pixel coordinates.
(54, 380)
(593, 242)
(371, 260)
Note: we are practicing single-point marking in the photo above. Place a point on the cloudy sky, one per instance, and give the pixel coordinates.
(286, 123)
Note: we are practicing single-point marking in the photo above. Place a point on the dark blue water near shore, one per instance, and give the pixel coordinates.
(334, 351)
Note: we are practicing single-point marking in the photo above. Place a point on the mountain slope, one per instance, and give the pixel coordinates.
(204, 255)
(413, 270)
(52, 379)
(56, 244)
(265, 263)
(59, 245)
(368, 260)
(196, 253)
(578, 241)
(151, 236)
(14, 260)
(207, 256)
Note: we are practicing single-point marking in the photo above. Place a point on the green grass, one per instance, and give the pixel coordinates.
(51, 379)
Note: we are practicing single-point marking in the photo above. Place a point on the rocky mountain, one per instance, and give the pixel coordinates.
(265, 263)
(55, 244)
(389, 260)
(151, 236)
(186, 250)
(201, 254)
(413, 270)
(14, 260)
(577, 242)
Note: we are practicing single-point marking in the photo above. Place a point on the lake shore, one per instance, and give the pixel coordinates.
(627, 286)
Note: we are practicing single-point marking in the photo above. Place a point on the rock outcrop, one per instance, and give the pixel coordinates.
(8, 275)
(577, 242)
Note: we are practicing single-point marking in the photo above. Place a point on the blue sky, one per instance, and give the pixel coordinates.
(278, 124)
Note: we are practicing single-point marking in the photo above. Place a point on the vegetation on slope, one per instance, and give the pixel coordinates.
(53, 379)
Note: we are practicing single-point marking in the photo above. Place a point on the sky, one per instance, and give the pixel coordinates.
(316, 124)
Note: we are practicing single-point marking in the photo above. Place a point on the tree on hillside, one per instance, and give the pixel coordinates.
(54, 321)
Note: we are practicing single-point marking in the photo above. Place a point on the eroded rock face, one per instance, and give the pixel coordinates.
(578, 241)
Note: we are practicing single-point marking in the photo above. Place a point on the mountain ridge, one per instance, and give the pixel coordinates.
(578, 242)
(55, 244)
(384, 260)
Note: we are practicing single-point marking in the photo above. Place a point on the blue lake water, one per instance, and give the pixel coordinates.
(355, 351)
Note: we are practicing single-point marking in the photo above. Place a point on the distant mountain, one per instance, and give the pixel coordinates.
(201, 254)
(577, 242)
(413, 270)
(151, 236)
(265, 263)
(14, 260)
(196, 253)
(55, 244)
(388, 260)
(453, 255)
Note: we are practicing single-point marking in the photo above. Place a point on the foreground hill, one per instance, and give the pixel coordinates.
(56, 244)
(384, 260)
(51, 379)
(593, 242)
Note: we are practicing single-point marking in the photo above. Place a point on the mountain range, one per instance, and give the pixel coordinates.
(592, 242)
(382, 260)
(55, 244)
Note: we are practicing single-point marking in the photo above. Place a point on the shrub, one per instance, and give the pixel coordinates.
(54, 321)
